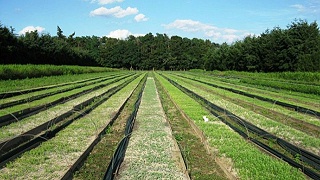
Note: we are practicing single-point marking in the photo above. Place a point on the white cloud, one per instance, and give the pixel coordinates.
(299, 7)
(122, 34)
(106, 1)
(311, 7)
(218, 34)
(117, 12)
(31, 28)
(189, 25)
(119, 34)
(140, 17)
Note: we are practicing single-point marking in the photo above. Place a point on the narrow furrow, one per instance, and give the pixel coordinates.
(310, 101)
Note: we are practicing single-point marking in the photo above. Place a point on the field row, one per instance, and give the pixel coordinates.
(55, 156)
(224, 128)
(218, 97)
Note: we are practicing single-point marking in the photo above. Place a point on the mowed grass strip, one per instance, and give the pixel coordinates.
(53, 158)
(151, 153)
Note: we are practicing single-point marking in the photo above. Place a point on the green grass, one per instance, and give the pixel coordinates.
(97, 162)
(292, 135)
(50, 98)
(302, 77)
(249, 162)
(265, 91)
(76, 84)
(253, 101)
(150, 150)
(26, 124)
(302, 82)
(17, 71)
(53, 158)
(192, 146)
(25, 84)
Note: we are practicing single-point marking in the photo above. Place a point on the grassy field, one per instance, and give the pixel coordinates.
(168, 115)
(16, 71)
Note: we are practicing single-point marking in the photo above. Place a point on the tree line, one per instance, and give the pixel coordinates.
(296, 48)
(33, 48)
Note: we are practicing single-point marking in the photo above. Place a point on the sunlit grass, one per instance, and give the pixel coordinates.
(18, 71)
(54, 157)
(150, 151)
(286, 132)
(250, 163)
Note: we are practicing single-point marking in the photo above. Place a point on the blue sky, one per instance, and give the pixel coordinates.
(217, 20)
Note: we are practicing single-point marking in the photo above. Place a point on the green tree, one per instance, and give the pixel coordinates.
(9, 45)
(60, 33)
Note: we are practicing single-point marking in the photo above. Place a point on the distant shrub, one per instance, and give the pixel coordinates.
(197, 70)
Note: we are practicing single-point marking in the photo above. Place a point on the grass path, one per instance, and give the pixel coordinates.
(152, 152)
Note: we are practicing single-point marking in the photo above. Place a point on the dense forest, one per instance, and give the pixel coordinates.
(296, 48)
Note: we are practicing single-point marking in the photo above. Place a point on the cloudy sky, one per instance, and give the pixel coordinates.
(217, 20)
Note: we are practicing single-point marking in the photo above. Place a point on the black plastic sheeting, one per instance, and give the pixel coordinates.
(305, 156)
(119, 154)
(16, 93)
(21, 114)
(81, 159)
(283, 104)
(9, 149)
(37, 97)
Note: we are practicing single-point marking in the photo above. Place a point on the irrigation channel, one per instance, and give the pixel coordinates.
(308, 162)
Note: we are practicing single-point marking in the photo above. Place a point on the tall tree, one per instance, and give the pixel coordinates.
(60, 33)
